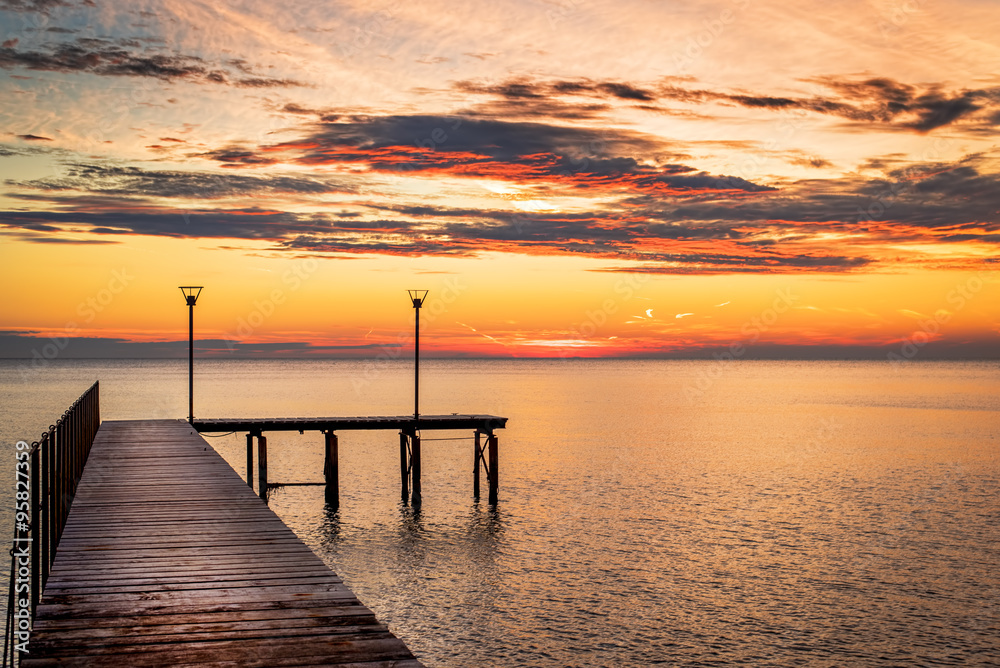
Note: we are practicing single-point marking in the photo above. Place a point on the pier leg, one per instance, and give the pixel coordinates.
(415, 466)
(475, 467)
(250, 460)
(262, 467)
(404, 467)
(331, 470)
(494, 468)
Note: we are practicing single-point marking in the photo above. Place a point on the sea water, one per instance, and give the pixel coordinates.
(672, 512)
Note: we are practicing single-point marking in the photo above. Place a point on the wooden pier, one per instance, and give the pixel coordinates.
(168, 559)
(485, 452)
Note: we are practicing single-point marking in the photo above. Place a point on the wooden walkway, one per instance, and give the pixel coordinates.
(169, 559)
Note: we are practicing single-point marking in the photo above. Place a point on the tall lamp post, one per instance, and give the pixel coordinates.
(418, 297)
(191, 297)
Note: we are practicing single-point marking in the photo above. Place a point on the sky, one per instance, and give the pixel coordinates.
(566, 178)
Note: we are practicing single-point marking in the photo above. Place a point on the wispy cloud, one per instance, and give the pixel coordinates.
(873, 100)
(130, 58)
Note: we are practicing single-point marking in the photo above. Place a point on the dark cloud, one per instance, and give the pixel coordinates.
(922, 110)
(33, 138)
(875, 100)
(29, 346)
(486, 148)
(237, 156)
(537, 108)
(716, 263)
(179, 223)
(625, 91)
(773, 232)
(906, 205)
(812, 161)
(65, 240)
(659, 215)
(136, 182)
(41, 6)
(531, 89)
(125, 58)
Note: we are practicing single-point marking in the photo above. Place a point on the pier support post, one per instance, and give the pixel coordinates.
(250, 460)
(262, 467)
(331, 470)
(415, 468)
(404, 466)
(475, 466)
(494, 468)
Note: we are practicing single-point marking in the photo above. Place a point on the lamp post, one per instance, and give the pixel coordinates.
(417, 297)
(191, 297)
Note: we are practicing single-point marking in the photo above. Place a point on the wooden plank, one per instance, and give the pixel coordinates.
(169, 559)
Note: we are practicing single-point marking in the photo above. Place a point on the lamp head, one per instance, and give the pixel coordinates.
(418, 297)
(191, 293)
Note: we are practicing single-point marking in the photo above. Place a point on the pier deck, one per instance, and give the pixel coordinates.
(484, 423)
(409, 429)
(169, 559)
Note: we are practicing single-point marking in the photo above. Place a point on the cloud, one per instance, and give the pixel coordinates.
(877, 100)
(24, 345)
(519, 152)
(814, 162)
(33, 138)
(250, 223)
(129, 181)
(638, 229)
(41, 6)
(105, 57)
(873, 100)
(924, 110)
(528, 88)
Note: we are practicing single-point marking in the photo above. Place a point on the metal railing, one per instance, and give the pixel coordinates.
(48, 473)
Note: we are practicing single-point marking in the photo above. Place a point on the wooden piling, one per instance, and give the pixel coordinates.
(331, 470)
(494, 469)
(415, 468)
(404, 467)
(262, 466)
(250, 460)
(478, 455)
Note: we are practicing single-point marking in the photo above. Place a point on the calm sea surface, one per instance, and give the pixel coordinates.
(681, 513)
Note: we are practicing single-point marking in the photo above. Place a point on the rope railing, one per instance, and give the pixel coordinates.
(48, 472)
